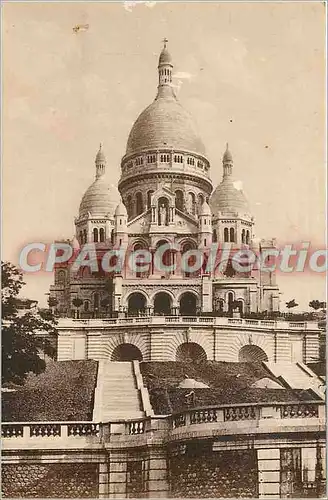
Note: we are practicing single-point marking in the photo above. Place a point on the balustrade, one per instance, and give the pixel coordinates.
(300, 411)
(137, 427)
(203, 416)
(45, 430)
(11, 430)
(241, 413)
(83, 429)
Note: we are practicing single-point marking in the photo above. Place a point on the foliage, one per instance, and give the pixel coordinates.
(291, 304)
(21, 345)
(64, 391)
(77, 302)
(317, 304)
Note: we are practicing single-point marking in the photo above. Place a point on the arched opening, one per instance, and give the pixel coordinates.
(179, 199)
(231, 299)
(102, 234)
(200, 200)
(149, 195)
(232, 235)
(139, 203)
(96, 302)
(191, 203)
(95, 235)
(162, 304)
(85, 238)
(129, 205)
(226, 235)
(86, 306)
(247, 237)
(191, 261)
(215, 236)
(139, 246)
(252, 354)
(243, 236)
(81, 236)
(239, 305)
(126, 352)
(190, 352)
(166, 257)
(136, 304)
(188, 304)
(163, 211)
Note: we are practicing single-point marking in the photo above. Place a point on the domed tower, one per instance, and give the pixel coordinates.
(96, 214)
(164, 151)
(232, 220)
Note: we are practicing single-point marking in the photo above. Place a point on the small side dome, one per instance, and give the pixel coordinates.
(266, 383)
(121, 210)
(205, 209)
(100, 199)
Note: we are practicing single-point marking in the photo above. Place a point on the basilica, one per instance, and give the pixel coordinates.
(170, 381)
(165, 198)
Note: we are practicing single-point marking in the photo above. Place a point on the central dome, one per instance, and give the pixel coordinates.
(164, 124)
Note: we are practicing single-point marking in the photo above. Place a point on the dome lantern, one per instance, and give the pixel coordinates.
(100, 163)
(165, 67)
(227, 162)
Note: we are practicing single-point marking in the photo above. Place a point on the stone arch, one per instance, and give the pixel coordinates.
(188, 301)
(126, 299)
(137, 304)
(179, 199)
(252, 354)
(190, 352)
(189, 335)
(126, 352)
(163, 303)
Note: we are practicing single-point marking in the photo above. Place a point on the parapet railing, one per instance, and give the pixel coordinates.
(219, 414)
(248, 412)
(190, 320)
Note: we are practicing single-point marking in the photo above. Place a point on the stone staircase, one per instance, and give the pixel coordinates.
(297, 376)
(116, 394)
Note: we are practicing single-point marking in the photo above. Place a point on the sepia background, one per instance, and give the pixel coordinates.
(252, 74)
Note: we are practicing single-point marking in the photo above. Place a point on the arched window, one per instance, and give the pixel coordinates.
(86, 306)
(129, 205)
(139, 246)
(139, 203)
(96, 301)
(149, 198)
(243, 236)
(200, 199)
(186, 248)
(95, 235)
(232, 234)
(102, 234)
(215, 236)
(85, 238)
(247, 237)
(112, 236)
(179, 199)
(81, 237)
(226, 235)
(191, 203)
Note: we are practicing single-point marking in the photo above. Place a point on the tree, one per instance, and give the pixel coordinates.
(21, 346)
(291, 304)
(77, 302)
(317, 304)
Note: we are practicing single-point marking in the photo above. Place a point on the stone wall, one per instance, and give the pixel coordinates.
(202, 473)
(60, 480)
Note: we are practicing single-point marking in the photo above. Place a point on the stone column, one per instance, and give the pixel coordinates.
(268, 464)
(157, 486)
(117, 475)
(103, 480)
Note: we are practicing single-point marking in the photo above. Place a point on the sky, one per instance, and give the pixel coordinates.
(251, 74)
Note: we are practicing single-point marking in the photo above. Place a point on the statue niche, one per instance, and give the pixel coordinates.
(163, 210)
